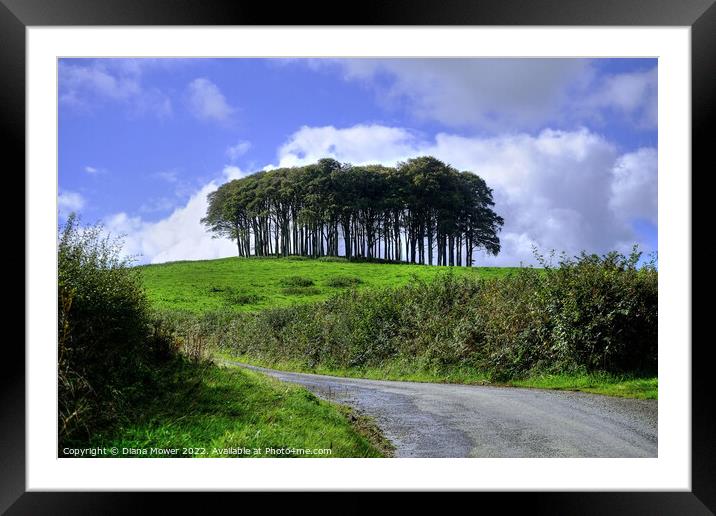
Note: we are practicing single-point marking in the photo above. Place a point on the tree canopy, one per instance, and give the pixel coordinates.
(420, 211)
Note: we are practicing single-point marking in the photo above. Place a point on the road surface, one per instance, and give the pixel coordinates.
(452, 420)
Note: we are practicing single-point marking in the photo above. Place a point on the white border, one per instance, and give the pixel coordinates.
(671, 470)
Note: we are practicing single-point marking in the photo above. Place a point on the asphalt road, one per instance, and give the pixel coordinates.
(450, 420)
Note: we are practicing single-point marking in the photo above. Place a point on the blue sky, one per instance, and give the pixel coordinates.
(569, 145)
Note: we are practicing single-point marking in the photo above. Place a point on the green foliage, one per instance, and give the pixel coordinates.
(296, 281)
(343, 281)
(236, 297)
(587, 314)
(107, 340)
(201, 410)
(423, 205)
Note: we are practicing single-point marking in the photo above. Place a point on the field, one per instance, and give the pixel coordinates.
(251, 284)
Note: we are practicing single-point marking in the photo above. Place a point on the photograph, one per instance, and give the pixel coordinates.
(357, 257)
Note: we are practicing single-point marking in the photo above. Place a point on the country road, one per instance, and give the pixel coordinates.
(451, 420)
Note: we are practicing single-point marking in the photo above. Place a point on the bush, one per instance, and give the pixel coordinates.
(343, 281)
(296, 281)
(603, 312)
(589, 313)
(233, 297)
(107, 340)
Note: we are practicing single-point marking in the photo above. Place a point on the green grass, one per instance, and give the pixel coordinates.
(250, 284)
(203, 410)
(597, 383)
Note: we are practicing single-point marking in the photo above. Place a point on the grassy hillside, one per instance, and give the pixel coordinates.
(200, 410)
(586, 325)
(248, 285)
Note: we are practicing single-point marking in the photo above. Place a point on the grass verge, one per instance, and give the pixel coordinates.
(211, 411)
(597, 383)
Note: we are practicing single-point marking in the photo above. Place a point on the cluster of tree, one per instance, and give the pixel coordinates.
(421, 211)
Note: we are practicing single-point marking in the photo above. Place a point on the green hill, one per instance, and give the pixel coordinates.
(250, 284)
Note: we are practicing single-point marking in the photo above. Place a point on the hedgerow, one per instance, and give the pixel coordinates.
(588, 313)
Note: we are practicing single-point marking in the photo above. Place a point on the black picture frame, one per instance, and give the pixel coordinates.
(700, 15)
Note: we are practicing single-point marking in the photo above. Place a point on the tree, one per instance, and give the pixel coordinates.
(421, 211)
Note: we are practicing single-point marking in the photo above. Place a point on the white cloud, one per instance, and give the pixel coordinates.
(634, 187)
(93, 171)
(359, 144)
(180, 236)
(568, 191)
(503, 94)
(489, 93)
(632, 94)
(116, 80)
(232, 172)
(68, 202)
(206, 102)
(234, 152)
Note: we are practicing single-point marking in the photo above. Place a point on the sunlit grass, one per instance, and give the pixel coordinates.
(205, 410)
(250, 284)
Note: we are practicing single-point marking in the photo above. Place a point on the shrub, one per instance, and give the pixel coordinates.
(343, 281)
(237, 297)
(107, 340)
(589, 313)
(296, 281)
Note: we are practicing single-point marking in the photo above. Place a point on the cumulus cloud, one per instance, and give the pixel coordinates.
(234, 152)
(361, 143)
(84, 84)
(562, 190)
(180, 236)
(231, 172)
(634, 185)
(68, 201)
(206, 102)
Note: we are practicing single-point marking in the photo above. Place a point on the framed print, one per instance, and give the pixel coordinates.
(437, 247)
